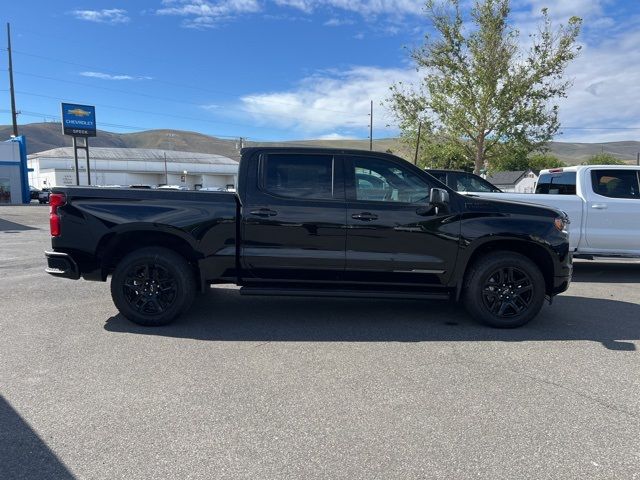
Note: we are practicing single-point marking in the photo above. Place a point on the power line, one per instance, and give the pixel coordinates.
(173, 84)
(181, 102)
(161, 114)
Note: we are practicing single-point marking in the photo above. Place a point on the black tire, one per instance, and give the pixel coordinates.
(503, 290)
(153, 286)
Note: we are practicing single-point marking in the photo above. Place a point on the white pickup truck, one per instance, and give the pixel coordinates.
(602, 202)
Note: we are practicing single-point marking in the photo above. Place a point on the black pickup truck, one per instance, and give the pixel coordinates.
(312, 222)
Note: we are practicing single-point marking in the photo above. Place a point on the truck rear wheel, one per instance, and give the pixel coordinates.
(504, 290)
(152, 286)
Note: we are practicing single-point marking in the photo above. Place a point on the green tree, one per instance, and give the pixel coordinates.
(514, 158)
(442, 154)
(540, 161)
(480, 88)
(603, 159)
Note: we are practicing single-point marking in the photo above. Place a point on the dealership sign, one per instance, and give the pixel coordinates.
(78, 120)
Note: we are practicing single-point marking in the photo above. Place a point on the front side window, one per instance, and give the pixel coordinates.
(300, 176)
(382, 181)
(616, 183)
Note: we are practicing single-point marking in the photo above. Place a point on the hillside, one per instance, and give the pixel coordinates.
(44, 136)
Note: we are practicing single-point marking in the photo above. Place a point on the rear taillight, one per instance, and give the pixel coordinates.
(55, 200)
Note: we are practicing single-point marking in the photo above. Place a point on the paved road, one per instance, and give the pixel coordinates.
(290, 388)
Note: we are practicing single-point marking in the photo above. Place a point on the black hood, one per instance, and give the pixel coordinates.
(478, 204)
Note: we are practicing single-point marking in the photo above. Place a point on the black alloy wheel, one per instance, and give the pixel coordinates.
(149, 288)
(153, 286)
(507, 292)
(503, 289)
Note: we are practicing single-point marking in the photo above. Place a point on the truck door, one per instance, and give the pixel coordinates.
(392, 237)
(613, 210)
(294, 218)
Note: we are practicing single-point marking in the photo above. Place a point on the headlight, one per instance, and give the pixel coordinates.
(561, 223)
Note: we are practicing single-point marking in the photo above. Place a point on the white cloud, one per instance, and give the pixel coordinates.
(112, 16)
(108, 76)
(606, 84)
(565, 8)
(605, 74)
(337, 22)
(211, 107)
(366, 8)
(304, 5)
(335, 136)
(206, 14)
(328, 102)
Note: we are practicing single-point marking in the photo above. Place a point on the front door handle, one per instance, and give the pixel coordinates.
(599, 206)
(263, 212)
(364, 216)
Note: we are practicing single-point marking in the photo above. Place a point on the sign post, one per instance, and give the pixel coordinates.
(79, 121)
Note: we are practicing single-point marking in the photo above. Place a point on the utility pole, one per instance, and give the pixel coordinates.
(14, 114)
(638, 158)
(371, 127)
(415, 157)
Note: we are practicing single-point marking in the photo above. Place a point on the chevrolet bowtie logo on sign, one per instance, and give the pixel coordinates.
(79, 120)
(78, 112)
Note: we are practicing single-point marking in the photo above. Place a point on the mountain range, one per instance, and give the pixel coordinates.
(45, 136)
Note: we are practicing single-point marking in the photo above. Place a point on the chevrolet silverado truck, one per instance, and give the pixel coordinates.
(602, 202)
(312, 222)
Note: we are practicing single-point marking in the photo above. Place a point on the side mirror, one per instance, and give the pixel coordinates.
(438, 197)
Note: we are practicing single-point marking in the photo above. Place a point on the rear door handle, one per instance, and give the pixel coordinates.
(263, 212)
(599, 206)
(364, 216)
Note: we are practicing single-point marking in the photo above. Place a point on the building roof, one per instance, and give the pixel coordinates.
(506, 178)
(138, 154)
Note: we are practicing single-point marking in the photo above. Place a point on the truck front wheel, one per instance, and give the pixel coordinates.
(152, 286)
(504, 290)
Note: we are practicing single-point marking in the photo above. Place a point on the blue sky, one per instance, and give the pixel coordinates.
(280, 69)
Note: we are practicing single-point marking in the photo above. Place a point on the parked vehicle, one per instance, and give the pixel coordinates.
(43, 196)
(602, 202)
(173, 187)
(313, 222)
(463, 181)
(34, 193)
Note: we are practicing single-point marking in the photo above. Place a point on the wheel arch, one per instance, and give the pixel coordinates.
(535, 252)
(114, 246)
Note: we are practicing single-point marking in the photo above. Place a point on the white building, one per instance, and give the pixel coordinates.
(132, 166)
(520, 181)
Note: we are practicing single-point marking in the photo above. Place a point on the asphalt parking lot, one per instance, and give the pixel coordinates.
(267, 388)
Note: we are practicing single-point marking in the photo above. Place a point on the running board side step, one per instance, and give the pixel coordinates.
(299, 292)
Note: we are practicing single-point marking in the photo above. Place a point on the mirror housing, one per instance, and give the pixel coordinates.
(438, 197)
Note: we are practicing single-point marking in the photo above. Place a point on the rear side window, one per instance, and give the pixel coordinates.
(442, 176)
(471, 183)
(563, 183)
(616, 183)
(300, 176)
